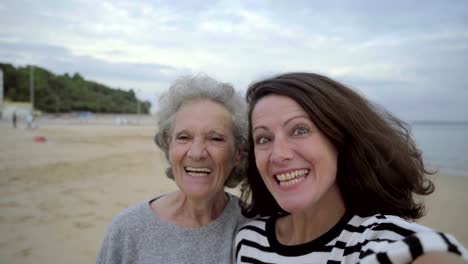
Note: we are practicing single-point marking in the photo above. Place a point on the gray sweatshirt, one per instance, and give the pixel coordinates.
(137, 235)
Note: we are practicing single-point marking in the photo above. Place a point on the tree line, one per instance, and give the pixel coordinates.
(65, 93)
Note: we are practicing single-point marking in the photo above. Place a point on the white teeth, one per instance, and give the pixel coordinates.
(291, 177)
(197, 172)
(208, 170)
(291, 182)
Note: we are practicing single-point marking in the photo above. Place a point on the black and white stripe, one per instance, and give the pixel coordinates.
(374, 239)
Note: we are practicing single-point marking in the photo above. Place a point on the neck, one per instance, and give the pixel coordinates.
(309, 224)
(186, 211)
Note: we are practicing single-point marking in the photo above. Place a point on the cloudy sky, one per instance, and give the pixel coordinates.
(409, 56)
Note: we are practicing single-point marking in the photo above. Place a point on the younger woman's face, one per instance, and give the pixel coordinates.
(298, 164)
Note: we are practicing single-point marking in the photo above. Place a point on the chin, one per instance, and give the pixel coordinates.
(293, 206)
(196, 193)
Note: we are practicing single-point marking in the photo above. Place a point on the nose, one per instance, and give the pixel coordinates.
(197, 150)
(281, 151)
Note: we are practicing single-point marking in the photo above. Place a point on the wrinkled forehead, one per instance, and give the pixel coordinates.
(203, 114)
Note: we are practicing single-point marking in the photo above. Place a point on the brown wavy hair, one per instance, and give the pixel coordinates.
(380, 169)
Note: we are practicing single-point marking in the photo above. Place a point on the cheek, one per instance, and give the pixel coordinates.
(226, 158)
(331, 157)
(329, 165)
(174, 154)
(261, 161)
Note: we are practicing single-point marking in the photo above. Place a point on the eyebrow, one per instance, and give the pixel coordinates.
(285, 123)
(183, 131)
(296, 117)
(216, 133)
(211, 132)
(259, 127)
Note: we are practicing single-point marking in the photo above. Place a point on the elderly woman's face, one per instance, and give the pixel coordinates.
(202, 151)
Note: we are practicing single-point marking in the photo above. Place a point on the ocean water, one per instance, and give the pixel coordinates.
(444, 145)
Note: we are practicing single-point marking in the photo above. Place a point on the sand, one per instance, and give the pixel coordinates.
(57, 197)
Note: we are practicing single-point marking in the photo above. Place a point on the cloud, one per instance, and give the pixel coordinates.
(59, 60)
(397, 53)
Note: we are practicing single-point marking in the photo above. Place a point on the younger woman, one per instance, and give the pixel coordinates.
(333, 180)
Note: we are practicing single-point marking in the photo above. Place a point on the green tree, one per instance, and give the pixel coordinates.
(65, 93)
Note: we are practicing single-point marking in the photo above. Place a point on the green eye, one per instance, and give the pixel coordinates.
(261, 140)
(300, 131)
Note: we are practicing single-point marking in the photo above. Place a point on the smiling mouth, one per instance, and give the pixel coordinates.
(292, 177)
(197, 172)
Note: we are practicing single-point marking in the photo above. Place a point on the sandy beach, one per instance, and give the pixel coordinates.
(57, 197)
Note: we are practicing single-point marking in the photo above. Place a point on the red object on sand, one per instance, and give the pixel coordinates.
(39, 139)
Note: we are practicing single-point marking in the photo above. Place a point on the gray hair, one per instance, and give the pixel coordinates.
(201, 86)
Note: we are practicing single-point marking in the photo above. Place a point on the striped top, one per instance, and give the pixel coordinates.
(373, 239)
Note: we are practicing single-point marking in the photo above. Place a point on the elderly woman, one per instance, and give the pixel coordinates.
(202, 133)
(333, 180)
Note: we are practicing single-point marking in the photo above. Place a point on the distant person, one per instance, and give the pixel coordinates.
(333, 179)
(202, 131)
(14, 119)
(29, 120)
